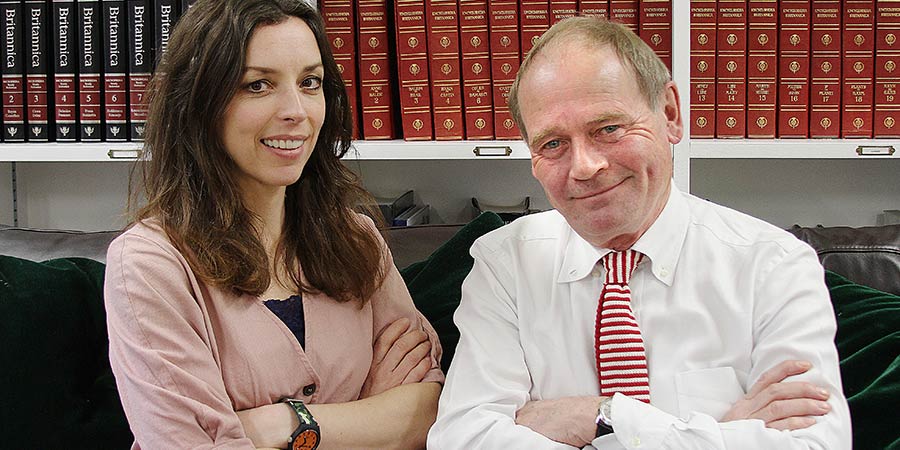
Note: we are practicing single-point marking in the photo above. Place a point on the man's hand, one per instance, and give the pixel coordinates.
(782, 405)
(569, 420)
(400, 356)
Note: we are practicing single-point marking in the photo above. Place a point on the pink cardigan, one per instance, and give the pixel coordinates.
(187, 355)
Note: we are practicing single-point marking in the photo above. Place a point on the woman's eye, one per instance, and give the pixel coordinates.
(312, 83)
(256, 86)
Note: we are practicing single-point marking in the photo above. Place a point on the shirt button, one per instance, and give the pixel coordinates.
(663, 272)
(309, 389)
(635, 441)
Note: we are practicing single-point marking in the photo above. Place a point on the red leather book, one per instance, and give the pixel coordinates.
(37, 17)
(703, 68)
(340, 25)
(534, 18)
(65, 70)
(503, 17)
(825, 70)
(762, 67)
(13, 72)
(793, 69)
(594, 8)
(140, 66)
(90, 69)
(412, 70)
(446, 78)
(561, 9)
(115, 68)
(478, 95)
(375, 93)
(887, 69)
(731, 69)
(656, 27)
(858, 68)
(625, 12)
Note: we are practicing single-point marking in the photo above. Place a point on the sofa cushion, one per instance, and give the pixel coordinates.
(868, 342)
(57, 387)
(434, 283)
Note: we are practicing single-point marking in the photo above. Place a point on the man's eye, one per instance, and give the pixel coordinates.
(550, 145)
(610, 128)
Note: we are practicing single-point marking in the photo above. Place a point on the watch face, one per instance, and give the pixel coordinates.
(306, 440)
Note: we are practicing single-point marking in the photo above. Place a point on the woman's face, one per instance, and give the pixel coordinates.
(271, 124)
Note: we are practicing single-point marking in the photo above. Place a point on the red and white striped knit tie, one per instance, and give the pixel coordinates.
(618, 346)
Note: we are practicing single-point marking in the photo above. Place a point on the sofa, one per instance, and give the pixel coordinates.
(58, 390)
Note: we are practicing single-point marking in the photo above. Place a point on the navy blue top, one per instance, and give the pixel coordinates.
(290, 311)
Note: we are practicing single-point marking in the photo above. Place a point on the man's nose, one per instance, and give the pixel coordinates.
(588, 159)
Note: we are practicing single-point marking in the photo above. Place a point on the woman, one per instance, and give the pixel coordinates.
(248, 296)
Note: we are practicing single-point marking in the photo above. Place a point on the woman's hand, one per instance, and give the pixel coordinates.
(400, 356)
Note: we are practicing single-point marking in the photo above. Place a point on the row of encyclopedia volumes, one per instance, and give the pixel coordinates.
(442, 69)
(78, 70)
(795, 68)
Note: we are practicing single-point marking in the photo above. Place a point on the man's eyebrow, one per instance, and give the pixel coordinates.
(539, 137)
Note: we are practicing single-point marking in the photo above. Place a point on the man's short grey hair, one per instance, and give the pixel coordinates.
(596, 33)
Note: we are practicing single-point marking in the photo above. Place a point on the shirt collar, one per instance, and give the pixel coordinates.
(661, 243)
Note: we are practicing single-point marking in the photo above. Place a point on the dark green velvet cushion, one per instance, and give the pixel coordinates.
(868, 342)
(434, 283)
(56, 385)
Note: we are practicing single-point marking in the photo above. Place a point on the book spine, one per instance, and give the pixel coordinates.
(887, 63)
(13, 72)
(476, 67)
(731, 70)
(140, 66)
(115, 67)
(446, 82)
(37, 17)
(656, 27)
(858, 68)
(561, 9)
(376, 95)
(825, 70)
(65, 70)
(185, 4)
(625, 12)
(793, 69)
(703, 68)
(534, 18)
(165, 14)
(762, 64)
(90, 69)
(504, 24)
(412, 70)
(340, 25)
(594, 8)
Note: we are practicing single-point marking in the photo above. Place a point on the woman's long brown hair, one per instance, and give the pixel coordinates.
(188, 181)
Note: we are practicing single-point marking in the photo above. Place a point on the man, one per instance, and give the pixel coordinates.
(721, 337)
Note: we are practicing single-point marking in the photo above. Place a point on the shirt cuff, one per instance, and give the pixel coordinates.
(638, 425)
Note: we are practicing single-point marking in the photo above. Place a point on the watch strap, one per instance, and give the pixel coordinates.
(604, 422)
(306, 436)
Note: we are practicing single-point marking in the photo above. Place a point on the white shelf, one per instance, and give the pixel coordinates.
(69, 151)
(795, 149)
(443, 150)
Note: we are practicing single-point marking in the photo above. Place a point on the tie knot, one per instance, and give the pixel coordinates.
(620, 265)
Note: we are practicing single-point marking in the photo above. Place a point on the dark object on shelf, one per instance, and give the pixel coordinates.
(415, 215)
(391, 207)
(507, 213)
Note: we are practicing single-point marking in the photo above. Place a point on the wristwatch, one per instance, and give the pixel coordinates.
(604, 417)
(306, 436)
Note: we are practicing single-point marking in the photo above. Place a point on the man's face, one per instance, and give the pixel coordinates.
(601, 154)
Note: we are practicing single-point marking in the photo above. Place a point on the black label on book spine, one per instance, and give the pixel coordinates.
(115, 68)
(90, 69)
(165, 14)
(185, 4)
(65, 68)
(37, 75)
(13, 73)
(140, 25)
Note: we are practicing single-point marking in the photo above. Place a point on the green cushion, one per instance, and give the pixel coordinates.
(434, 283)
(868, 342)
(56, 384)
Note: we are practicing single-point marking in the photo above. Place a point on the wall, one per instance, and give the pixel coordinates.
(91, 196)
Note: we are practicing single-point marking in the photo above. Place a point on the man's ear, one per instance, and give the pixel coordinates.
(672, 110)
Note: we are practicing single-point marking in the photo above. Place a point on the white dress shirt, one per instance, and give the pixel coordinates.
(720, 298)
